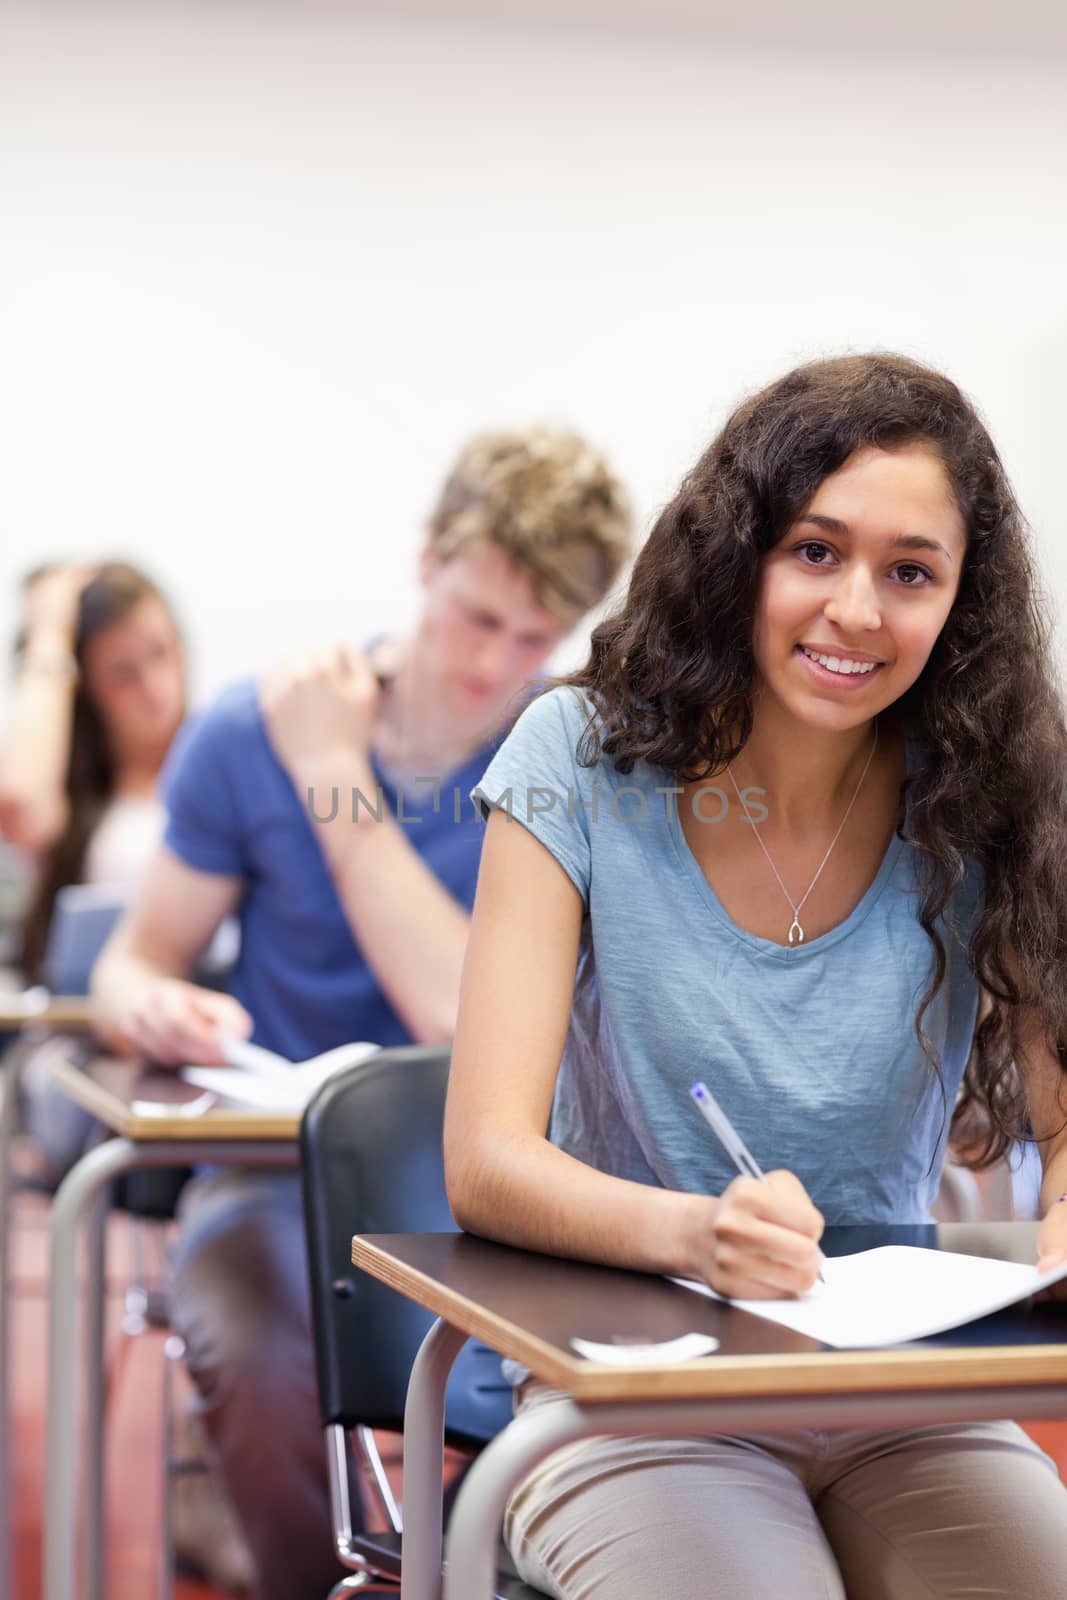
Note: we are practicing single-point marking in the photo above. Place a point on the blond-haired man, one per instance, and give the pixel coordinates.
(293, 804)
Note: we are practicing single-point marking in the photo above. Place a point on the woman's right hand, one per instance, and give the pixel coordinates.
(763, 1240)
(52, 601)
(173, 1022)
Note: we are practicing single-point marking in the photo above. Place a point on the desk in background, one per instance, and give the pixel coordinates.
(119, 1094)
(763, 1377)
(20, 1009)
(36, 1008)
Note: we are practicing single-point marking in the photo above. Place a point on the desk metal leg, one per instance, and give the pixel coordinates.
(9, 1093)
(92, 1472)
(81, 1188)
(424, 1443)
(474, 1527)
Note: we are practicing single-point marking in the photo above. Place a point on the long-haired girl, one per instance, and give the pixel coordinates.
(806, 841)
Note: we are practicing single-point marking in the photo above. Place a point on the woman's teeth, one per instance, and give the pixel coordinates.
(840, 664)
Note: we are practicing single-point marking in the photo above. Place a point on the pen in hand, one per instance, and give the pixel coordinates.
(730, 1139)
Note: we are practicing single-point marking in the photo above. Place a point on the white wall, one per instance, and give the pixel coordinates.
(261, 270)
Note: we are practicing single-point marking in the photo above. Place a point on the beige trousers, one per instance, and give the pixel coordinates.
(947, 1513)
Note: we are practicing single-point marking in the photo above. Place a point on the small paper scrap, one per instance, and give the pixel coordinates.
(690, 1347)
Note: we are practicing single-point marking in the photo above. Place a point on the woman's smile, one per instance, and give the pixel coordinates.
(839, 670)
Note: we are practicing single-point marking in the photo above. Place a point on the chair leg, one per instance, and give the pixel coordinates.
(370, 1455)
(354, 1581)
(10, 1079)
(173, 1351)
(346, 1543)
(146, 1303)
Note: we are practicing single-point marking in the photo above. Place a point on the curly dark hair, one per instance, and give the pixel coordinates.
(671, 674)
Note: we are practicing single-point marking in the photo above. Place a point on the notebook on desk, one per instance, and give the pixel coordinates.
(258, 1077)
(898, 1293)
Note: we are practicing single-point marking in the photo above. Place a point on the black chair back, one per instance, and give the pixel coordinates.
(371, 1162)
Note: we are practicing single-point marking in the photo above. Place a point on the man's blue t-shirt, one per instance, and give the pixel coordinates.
(233, 810)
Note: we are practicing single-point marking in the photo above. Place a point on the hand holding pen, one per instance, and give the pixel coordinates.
(766, 1230)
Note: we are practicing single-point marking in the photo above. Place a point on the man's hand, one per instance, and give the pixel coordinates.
(319, 712)
(174, 1022)
(763, 1240)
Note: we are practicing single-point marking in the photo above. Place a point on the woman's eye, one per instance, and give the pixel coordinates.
(814, 552)
(912, 576)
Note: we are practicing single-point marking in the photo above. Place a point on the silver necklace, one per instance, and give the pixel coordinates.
(796, 932)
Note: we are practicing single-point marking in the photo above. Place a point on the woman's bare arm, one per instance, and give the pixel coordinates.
(506, 1181)
(35, 748)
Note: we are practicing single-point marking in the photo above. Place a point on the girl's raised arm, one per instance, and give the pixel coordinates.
(35, 746)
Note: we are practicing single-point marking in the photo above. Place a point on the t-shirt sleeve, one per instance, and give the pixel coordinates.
(535, 779)
(204, 825)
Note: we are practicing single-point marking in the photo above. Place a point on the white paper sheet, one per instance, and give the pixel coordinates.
(897, 1293)
(271, 1089)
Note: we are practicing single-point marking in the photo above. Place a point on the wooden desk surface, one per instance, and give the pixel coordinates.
(120, 1092)
(37, 1009)
(528, 1306)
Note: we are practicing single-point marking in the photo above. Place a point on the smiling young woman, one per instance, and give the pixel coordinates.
(846, 617)
(835, 616)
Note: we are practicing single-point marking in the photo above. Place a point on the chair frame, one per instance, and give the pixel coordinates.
(400, 1188)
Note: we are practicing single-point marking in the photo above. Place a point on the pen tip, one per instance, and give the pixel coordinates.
(698, 1091)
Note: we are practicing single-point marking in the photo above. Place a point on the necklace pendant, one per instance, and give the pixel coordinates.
(796, 932)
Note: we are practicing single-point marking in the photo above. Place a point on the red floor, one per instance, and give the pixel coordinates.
(134, 1481)
(134, 1453)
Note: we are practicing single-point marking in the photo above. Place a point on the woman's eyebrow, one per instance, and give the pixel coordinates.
(919, 541)
(903, 541)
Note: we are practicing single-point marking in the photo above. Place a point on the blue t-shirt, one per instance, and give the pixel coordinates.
(811, 1050)
(233, 810)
